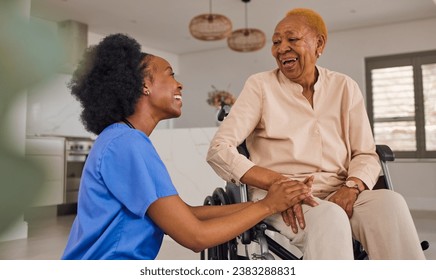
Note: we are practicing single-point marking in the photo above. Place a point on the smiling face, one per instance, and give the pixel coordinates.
(296, 47)
(163, 91)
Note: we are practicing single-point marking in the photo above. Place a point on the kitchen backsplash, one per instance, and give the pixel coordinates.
(52, 110)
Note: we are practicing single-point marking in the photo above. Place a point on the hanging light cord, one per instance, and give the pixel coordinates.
(246, 16)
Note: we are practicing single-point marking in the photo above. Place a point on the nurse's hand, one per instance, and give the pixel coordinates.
(294, 214)
(284, 194)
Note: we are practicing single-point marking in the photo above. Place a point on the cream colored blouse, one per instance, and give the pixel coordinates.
(332, 141)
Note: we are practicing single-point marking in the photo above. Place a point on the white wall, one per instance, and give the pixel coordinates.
(223, 68)
(345, 52)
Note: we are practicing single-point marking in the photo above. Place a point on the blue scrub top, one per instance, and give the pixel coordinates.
(123, 175)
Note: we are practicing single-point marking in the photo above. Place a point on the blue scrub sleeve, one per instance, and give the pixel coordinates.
(134, 173)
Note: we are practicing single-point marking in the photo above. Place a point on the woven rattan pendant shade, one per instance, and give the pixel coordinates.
(246, 39)
(210, 27)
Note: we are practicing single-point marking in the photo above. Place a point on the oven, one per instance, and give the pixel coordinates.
(76, 152)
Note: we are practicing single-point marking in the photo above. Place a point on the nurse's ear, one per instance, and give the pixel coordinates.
(146, 90)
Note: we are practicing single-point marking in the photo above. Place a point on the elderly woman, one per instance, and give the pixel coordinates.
(303, 121)
(126, 199)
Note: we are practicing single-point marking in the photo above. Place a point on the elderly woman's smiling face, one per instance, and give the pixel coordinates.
(296, 47)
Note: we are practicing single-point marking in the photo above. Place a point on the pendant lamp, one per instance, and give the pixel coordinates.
(210, 27)
(246, 39)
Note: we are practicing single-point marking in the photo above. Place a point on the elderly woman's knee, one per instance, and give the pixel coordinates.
(388, 198)
(331, 214)
(387, 205)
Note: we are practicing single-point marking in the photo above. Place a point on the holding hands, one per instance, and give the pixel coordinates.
(287, 196)
(294, 213)
(285, 193)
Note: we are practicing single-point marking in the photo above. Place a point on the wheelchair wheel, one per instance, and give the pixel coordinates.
(221, 197)
(227, 250)
(210, 253)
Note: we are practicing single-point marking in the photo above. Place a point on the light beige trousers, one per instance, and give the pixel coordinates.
(381, 221)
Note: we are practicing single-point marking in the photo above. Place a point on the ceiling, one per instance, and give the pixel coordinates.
(163, 24)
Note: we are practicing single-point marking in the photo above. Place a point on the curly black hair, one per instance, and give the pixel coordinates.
(109, 80)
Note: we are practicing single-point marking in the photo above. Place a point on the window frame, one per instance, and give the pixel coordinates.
(416, 60)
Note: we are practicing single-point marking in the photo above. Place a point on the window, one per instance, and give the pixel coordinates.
(401, 95)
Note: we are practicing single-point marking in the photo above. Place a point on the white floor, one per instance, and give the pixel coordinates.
(48, 236)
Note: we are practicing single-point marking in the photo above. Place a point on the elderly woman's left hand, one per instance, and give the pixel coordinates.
(345, 197)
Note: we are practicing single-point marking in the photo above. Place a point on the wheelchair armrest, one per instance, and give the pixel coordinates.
(242, 149)
(385, 153)
(380, 184)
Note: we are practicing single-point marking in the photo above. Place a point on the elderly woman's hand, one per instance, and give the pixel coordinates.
(345, 197)
(295, 214)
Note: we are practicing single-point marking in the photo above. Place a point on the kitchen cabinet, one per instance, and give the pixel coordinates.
(49, 154)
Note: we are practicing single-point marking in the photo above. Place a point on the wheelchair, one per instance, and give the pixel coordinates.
(258, 243)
